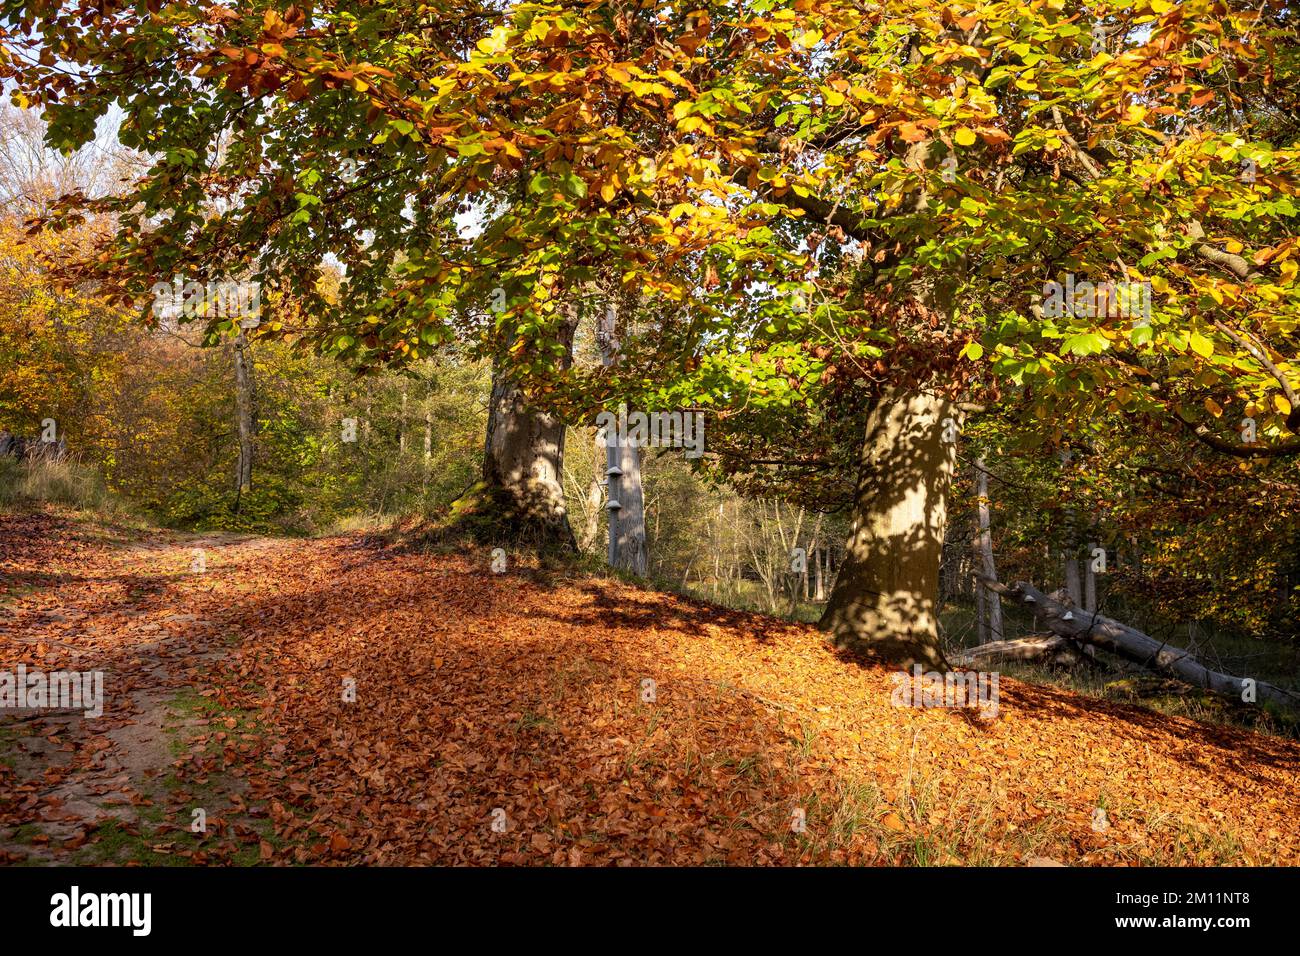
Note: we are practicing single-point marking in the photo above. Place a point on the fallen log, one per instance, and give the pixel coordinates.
(1037, 647)
(1128, 642)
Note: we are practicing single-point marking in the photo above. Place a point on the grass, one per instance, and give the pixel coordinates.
(117, 843)
(65, 482)
(531, 721)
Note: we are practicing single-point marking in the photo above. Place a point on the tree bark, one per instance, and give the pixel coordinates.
(884, 603)
(1072, 585)
(592, 509)
(1089, 581)
(631, 552)
(244, 416)
(992, 602)
(523, 460)
(401, 427)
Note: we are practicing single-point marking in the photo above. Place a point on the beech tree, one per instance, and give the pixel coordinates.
(842, 218)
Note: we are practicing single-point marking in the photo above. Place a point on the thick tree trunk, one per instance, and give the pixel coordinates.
(630, 551)
(523, 460)
(884, 603)
(244, 416)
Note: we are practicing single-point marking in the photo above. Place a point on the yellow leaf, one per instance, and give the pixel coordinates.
(1282, 405)
(1201, 345)
(965, 137)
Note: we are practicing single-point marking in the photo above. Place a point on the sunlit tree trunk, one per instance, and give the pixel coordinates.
(523, 460)
(884, 602)
(631, 550)
(244, 426)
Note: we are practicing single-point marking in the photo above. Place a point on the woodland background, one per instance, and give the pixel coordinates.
(1205, 555)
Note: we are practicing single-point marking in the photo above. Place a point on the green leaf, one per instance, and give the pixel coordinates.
(1085, 343)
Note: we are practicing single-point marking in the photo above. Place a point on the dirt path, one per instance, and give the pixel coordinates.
(328, 702)
(152, 615)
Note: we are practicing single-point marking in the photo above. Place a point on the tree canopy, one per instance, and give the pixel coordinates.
(1073, 211)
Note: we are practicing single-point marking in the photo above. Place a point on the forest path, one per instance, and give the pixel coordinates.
(326, 701)
(154, 619)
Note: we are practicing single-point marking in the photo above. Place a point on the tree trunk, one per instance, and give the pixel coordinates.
(244, 414)
(591, 529)
(811, 555)
(1089, 581)
(523, 459)
(992, 602)
(401, 427)
(633, 554)
(1072, 585)
(884, 600)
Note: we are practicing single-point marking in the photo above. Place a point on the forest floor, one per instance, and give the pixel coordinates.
(505, 719)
